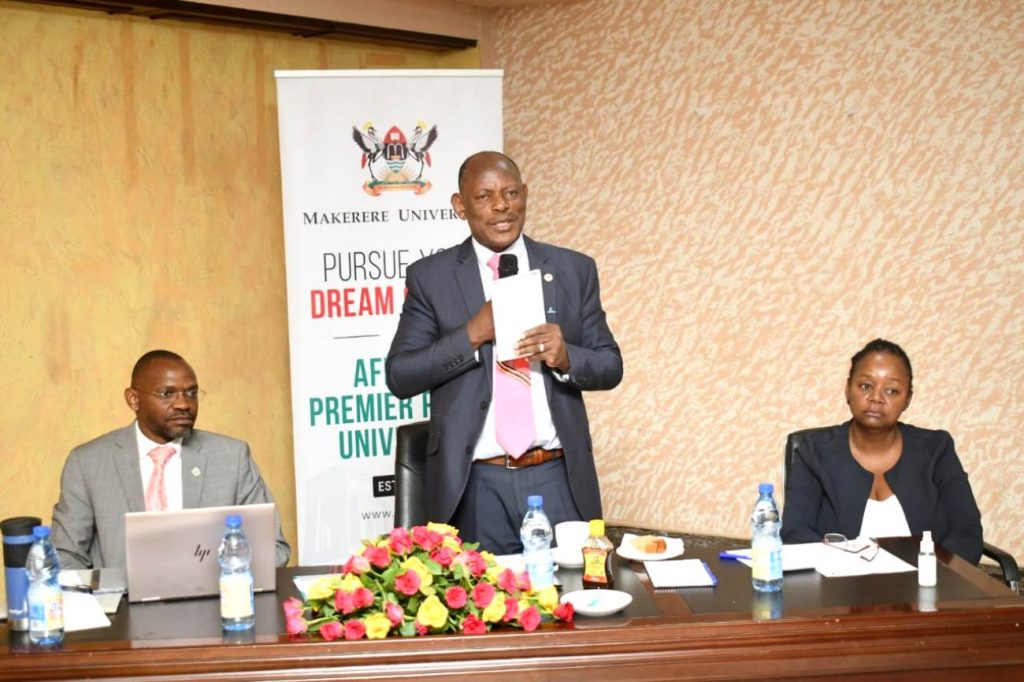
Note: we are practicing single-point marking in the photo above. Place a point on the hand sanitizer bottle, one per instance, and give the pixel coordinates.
(926, 561)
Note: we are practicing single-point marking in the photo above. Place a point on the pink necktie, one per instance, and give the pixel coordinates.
(156, 492)
(513, 404)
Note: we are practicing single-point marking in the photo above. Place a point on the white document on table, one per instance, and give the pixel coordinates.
(517, 304)
(680, 573)
(830, 561)
(83, 611)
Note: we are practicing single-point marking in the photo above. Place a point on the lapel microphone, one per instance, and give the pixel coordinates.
(508, 265)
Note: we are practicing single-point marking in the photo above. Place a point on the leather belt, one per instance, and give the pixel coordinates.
(530, 458)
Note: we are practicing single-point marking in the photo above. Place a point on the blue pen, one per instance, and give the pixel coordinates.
(733, 557)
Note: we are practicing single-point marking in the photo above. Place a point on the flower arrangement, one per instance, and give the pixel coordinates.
(420, 581)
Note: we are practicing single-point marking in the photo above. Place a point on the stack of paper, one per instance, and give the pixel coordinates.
(680, 573)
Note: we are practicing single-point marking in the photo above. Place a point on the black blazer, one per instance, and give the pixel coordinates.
(827, 490)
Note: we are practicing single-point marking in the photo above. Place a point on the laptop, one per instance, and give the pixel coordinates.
(173, 554)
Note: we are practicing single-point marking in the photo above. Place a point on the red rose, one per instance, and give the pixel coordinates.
(507, 580)
(455, 596)
(443, 556)
(421, 629)
(344, 602)
(354, 629)
(523, 580)
(330, 631)
(362, 598)
(483, 593)
(294, 625)
(357, 564)
(564, 611)
(511, 609)
(473, 625)
(293, 607)
(427, 539)
(378, 556)
(395, 612)
(530, 618)
(408, 583)
(399, 541)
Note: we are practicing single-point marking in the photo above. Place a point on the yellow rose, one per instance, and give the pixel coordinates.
(548, 598)
(432, 613)
(451, 543)
(377, 626)
(420, 568)
(488, 558)
(350, 583)
(442, 528)
(492, 574)
(323, 588)
(495, 610)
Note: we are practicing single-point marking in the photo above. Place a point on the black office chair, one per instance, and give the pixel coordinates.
(410, 463)
(1007, 564)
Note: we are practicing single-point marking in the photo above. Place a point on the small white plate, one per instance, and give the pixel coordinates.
(598, 602)
(567, 558)
(673, 548)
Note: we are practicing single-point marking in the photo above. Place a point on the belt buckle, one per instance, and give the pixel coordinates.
(511, 463)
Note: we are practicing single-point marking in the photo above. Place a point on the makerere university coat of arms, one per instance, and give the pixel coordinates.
(394, 163)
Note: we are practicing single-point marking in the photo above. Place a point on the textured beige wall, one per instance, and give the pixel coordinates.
(766, 186)
(141, 204)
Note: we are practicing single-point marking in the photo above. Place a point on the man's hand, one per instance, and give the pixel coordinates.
(481, 327)
(545, 343)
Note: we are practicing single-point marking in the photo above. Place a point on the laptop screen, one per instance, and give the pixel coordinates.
(173, 554)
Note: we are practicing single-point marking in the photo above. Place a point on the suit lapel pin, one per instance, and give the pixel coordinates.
(196, 471)
(548, 277)
(551, 310)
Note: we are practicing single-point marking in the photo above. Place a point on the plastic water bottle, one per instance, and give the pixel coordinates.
(237, 603)
(536, 535)
(766, 548)
(45, 599)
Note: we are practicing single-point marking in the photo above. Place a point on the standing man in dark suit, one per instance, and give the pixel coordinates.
(122, 471)
(444, 344)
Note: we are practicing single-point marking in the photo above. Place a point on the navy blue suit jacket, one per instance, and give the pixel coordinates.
(827, 490)
(431, 351)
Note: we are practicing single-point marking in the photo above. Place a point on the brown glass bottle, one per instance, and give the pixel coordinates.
(597, 558)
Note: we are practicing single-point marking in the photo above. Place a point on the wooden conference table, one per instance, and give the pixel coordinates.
(871, 627)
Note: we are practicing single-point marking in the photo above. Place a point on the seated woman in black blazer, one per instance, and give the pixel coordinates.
(876, 477)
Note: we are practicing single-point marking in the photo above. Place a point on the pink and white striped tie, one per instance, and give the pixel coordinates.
(156, 491)
(513, 405)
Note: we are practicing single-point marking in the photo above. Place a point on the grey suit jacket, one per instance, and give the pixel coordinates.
(431, 351)
(102, 480)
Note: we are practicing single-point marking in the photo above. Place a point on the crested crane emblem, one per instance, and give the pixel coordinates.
(395, 163)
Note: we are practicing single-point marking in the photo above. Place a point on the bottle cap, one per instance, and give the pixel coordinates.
(41, 532)
(233, 521)
(765, 488)
(927, 544)
(535, 501)
(597, 527)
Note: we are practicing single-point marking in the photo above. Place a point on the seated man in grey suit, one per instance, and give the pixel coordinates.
(157, 463)
(502, 431)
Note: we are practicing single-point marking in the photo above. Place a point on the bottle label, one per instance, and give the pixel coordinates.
(236, 599)
(593, 566)
(46, 609)
(766, 562)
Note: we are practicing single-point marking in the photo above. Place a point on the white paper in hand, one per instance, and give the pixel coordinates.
(517, 304)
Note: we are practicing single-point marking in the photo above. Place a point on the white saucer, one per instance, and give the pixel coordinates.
(673, 548)
(567, 558)
(598, 602)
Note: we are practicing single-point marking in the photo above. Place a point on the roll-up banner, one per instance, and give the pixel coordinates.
(369, 161)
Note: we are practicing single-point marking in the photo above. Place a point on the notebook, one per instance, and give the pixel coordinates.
(173, 554)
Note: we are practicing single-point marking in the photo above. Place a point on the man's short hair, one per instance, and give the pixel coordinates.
(462, 168)
(150, 357)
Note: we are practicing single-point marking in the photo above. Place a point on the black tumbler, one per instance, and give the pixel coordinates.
(17, 532)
